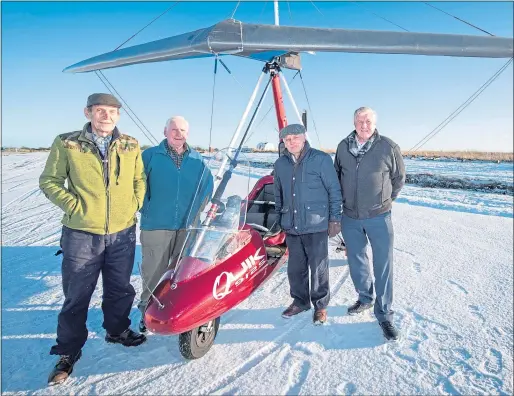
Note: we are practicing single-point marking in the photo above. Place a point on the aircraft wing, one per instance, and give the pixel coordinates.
(266, 42)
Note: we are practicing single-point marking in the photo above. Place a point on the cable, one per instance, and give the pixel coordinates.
(453, 16)
(229, 72)
(235, 9)
(98, 75)
(381, 17)
(265, 115)
(309, 104)
(127, 106)
(316, 7)
(99, 72)
(212, 105)
(130, 38)
(290, 13)
(263, 8)
(470, 100)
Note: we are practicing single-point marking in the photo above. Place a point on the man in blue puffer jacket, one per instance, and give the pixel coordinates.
(309, 202)
(178, 184)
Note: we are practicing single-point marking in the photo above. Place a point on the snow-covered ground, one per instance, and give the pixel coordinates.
(453, 302)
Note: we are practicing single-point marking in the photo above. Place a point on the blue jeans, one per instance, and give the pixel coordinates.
(379, 231)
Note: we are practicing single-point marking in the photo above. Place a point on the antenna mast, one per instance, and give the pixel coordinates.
(275, 3)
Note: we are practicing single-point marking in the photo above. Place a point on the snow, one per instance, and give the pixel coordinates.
(453, 284)
(476, 187)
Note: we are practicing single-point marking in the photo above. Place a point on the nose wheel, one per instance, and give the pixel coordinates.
(195, 343)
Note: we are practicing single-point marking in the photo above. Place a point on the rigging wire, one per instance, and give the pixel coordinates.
(263, 8)
(99, 72)
(128, 107)
(229, 72)
(212, 104)
(316, 7)
(235, 9)
(290, 13)
(152, 21)
(475, 95)
(265, 115)
(462, 20)
(128, 113)
(379, 16)
(309, 104)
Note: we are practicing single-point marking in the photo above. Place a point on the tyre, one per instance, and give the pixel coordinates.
(195, 343)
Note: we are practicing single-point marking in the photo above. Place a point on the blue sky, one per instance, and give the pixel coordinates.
(411, 94)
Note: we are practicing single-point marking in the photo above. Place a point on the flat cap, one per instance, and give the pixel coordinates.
(103, 99)
(291, 129)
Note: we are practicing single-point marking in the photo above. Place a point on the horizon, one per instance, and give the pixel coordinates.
(412, 94)
(204, 148)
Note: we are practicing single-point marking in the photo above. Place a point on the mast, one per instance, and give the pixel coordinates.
(277, 91)
(275, 4)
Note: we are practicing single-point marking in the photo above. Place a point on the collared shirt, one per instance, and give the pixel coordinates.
(175, 156)
(102, 142)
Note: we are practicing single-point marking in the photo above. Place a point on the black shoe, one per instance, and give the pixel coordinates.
(63, 368)
(127, 338)
(142, 326)
(390, 332)
(358, 307)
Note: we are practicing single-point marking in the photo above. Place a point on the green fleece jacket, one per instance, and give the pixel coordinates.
(99, 198)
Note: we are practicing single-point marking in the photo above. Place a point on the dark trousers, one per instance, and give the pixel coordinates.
(85, 255)
(379, 231)
(308, 251)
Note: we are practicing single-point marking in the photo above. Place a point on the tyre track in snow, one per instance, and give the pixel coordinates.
(270, 348)
(31, 220)
(137, 382)
(28, 217)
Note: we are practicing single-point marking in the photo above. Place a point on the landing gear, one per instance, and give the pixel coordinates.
(196, 343)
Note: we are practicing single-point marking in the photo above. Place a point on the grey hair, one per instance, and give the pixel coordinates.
(367, 110)
(176, 118)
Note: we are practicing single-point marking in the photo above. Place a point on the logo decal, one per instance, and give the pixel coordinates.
(225, 280)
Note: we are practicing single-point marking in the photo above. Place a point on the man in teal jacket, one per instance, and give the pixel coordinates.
(177, 184)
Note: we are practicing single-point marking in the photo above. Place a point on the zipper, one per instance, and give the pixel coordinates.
(178, 192)
(97, 150)
(293, 180)
(107, 154)
(357, 186)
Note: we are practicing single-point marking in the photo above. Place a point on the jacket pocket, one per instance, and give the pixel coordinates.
(124, 171)
(315, 215)
(76, 215)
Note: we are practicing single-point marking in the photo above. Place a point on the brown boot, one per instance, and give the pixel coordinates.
(293, 310)
(63, 368)
(320, 316)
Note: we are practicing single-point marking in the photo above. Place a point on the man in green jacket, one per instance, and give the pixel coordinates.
(105, 188)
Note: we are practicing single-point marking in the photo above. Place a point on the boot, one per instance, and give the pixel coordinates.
(390, 332)
(127, 338)
(359, 307)
(63, 368)
(293, 310)
(320, 317)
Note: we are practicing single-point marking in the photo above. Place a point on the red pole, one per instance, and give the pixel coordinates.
(279, 102)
